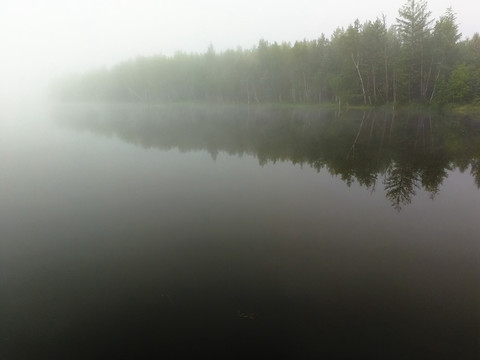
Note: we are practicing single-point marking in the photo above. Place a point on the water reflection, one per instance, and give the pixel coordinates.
(109, 250)
(401, 152)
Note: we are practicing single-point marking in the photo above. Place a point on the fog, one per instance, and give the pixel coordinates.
(42, 40)
(195, 220)
(163, 231)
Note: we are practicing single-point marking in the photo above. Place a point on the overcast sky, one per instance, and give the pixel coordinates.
(44, 38)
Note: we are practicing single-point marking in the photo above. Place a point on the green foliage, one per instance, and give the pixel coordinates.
(366, 64)
(458, 87)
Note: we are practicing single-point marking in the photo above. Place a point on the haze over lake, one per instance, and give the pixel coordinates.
(229, 230)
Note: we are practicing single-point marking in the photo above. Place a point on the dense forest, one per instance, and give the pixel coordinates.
(418, 59)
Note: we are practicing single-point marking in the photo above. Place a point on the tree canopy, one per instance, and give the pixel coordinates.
(416, 59)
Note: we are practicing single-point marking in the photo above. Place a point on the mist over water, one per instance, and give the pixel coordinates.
(151, 223)
(133, 230)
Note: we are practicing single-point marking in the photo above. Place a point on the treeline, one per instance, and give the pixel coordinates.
(417, 59)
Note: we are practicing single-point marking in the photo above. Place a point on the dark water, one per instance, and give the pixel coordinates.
(133, 232)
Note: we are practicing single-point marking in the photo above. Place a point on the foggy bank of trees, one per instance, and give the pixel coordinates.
(418, 59)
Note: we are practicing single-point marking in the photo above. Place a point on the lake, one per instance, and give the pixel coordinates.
(233, 231)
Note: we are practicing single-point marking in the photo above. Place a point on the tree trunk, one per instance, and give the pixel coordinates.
(357, 66)
(435, 85)
(305, 87)
(394, 86)
(427, 81)
(386, 73)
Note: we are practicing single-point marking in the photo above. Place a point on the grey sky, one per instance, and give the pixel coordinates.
(41, 38)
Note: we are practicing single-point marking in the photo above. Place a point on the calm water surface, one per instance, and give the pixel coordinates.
(230, 231)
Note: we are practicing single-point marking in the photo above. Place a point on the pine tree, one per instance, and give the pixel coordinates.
(415, 33)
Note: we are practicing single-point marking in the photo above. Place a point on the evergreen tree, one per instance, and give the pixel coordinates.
(415, 33)
(364, 64)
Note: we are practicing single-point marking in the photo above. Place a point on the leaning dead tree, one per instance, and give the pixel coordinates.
(357, 66)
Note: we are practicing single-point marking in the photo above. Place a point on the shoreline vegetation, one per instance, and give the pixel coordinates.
(470, 110)
(416, 62)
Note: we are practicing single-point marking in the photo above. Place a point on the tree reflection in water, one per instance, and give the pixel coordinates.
(404, 151)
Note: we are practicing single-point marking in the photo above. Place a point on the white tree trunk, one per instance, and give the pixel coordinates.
(357, 66)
